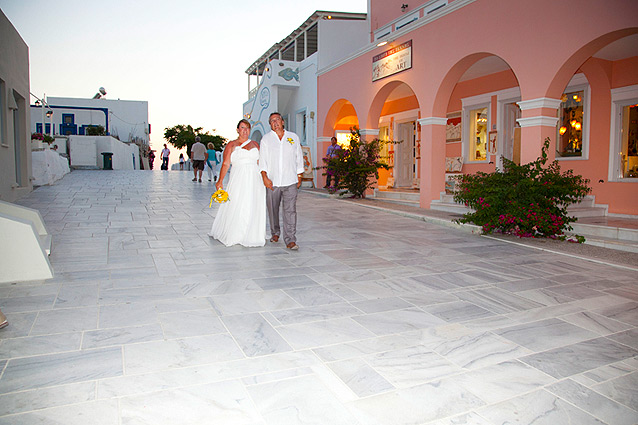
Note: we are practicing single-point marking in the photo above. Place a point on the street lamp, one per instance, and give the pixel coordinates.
(49, 112)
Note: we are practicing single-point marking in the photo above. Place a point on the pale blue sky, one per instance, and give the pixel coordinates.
(186, 58)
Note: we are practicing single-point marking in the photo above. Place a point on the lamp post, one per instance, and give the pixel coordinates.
(49, 113)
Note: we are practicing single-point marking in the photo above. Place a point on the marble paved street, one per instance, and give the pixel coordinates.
(376, 320)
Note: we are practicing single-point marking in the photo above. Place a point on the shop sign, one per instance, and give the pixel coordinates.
(392, 61)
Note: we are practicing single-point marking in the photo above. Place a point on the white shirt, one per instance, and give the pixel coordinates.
(198, 152)
(165, 153)
(281, 159)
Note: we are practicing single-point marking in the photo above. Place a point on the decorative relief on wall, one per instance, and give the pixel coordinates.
(288, 74)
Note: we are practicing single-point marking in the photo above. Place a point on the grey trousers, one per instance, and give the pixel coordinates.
(287, 197)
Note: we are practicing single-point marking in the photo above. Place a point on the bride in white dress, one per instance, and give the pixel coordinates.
(242, 219)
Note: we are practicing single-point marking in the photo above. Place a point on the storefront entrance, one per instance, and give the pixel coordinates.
(405, 159)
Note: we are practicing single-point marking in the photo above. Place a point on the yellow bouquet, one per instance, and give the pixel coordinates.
(220, 197)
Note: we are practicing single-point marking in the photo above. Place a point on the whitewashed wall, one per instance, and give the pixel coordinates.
(126, 118)
(86, 152)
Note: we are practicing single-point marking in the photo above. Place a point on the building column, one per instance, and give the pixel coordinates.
(538, 122)
(432, 159)
(369, 134)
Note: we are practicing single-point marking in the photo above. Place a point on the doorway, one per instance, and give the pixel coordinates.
(510, 149)
(404, 164)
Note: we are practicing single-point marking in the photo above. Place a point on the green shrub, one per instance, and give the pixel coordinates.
(354, 166)
(527, 200)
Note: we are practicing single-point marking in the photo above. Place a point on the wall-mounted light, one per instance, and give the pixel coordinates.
(49, 113)
(382, 43)
(404, 7)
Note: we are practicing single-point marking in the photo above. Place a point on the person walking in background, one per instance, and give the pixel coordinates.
(165, 153)
(331, 152)
(181, 162)
(281, 165)
(151, 158)
(211, 162)
(198, 157)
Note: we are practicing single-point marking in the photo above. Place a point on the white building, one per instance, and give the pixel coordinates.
(126, 120)
(284, 78)
(15, 150)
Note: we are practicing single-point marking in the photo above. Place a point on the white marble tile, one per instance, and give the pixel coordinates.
(325, 332)
(59, 369)
(545, 334)
(415, 405)
(591, 354)
(503, 381)
(223, 403)
(103, 412)
(478, 350)
(593, 403)
(537, 408)
(121, 315)
(363, 380)
(398, 321)
(458, 311)
(252, 302)
(181, 324)
(276, 376)
(411, 366)
(44, 398)
(601, 325)
(37, 345)
(365, 346)
(312, 314)
(121, 336)
(65, 320)
(313, 296)
(161, 355)
(255, 336)
(621, 389)
(465, 419)
(77, 296)
(301, 400)
(204, 374)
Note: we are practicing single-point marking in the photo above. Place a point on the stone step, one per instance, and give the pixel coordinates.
(389, 195)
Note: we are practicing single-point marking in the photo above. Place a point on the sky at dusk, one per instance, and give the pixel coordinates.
(186, 58)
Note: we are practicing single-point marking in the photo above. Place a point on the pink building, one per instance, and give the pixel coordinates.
(474, 80)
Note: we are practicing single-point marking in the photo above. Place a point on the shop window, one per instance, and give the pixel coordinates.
(477, 117)
(624, 141)
(571, 124)
(573, 121)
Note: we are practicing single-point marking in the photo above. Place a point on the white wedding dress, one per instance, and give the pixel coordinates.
(242, 219)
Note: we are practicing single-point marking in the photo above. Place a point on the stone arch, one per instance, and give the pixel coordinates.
(379, 101)
(574, 62)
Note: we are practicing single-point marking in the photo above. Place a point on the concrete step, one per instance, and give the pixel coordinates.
(387, 195)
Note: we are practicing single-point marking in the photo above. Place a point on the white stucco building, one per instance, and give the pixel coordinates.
(15, 150)
(126, 120)
(284, 78)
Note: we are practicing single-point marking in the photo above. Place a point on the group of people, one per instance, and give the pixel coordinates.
(265, 177)
(201, 157)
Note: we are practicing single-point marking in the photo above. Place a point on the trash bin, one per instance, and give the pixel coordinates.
(108, 160)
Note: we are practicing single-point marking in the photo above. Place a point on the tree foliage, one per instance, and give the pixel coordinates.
(528, 200)
(183, 136)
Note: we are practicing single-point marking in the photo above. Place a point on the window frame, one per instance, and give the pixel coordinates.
(620, 97)
(577, 83)
(468, 105)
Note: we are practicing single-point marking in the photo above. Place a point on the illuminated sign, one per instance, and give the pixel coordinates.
(392, 61)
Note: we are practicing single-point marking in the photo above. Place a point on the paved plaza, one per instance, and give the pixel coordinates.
(378, 319)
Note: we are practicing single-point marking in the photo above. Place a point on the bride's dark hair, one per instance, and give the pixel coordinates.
(245, 121)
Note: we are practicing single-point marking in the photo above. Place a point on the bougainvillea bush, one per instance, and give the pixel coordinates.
(528, 200)
(355, 165)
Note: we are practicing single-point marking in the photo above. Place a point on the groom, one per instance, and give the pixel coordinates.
(281, 166)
